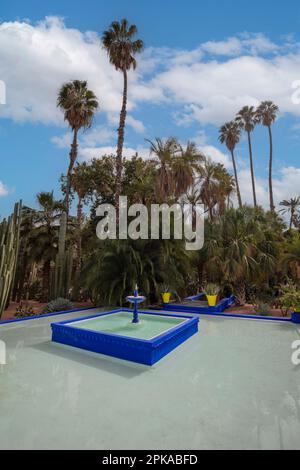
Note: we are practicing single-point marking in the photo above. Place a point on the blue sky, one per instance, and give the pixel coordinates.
(202, 62)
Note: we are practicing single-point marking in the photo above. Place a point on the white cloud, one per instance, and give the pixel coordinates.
(35, 60)
(137, 125)
(87, 153)
(212, 92)
(285, 186)
(242, 44)
(91, 138)
(62, 141)
(97, 135)
(216, 155)
(3, 190)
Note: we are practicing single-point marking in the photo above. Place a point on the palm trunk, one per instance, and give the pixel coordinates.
(272, 207)
(252, 170)
(73, 157)
(119, 163)
(79, 221)
(236, 180)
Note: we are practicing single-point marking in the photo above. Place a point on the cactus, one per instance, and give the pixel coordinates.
(9, 249)
(61, 275)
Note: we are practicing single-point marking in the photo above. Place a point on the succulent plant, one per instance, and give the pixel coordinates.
(211, 289)
(9, 249)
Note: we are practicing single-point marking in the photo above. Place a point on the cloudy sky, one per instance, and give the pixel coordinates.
(202, 62)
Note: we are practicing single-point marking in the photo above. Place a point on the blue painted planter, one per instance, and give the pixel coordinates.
(220, 307)
(132, 349)
(296, 317)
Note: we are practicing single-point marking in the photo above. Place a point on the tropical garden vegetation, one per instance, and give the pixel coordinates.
(51, 252)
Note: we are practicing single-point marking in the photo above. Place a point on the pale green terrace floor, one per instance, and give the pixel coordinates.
(231, 386)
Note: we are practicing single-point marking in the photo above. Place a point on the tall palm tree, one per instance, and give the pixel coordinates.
(79, 105)
(121, 49)
(230, 134)
(266, 114)
(247, 118)
(290, 206)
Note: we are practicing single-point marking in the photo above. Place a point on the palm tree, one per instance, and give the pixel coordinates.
(121, 49)
(79, 105)
(230, 135)
(291, 258)
(44, 236)
(290, 206)
(238, 249)
(176, 166)
(185, 164)
(117, 269)
(266, 114)
(216, 185)
(139, 181)
(247, 118)
(164, 151)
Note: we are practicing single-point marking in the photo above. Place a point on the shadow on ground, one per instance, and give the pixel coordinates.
(97, 361)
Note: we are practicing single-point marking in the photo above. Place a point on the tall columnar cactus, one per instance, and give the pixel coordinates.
(62, 273)
(9, 249)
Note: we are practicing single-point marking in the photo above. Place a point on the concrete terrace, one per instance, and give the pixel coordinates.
(231, 386)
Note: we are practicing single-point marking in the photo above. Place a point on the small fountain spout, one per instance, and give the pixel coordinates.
(135, 299)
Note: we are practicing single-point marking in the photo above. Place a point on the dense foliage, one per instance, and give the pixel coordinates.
(249, 251)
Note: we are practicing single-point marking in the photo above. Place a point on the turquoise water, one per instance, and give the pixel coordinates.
(121, 324)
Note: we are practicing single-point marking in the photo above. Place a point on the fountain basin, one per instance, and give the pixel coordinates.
(113, 334)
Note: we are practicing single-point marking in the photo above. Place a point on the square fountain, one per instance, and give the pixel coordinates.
(142, 337)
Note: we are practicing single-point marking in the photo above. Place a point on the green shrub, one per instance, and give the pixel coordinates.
(58, 305)
(262, 309)
(291, 298)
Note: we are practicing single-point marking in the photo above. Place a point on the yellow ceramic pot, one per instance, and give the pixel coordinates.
(212, 300)
(166, 297)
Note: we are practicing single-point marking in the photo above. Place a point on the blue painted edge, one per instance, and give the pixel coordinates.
(109, 312)
(222, 304)
(44, 315)
(220, 307)
(296, 317)
(240, 315)
(195, 297)
(138, 350)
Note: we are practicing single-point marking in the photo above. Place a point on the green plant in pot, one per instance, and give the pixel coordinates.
(291, 300)
(212, 291)
(165, 293)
